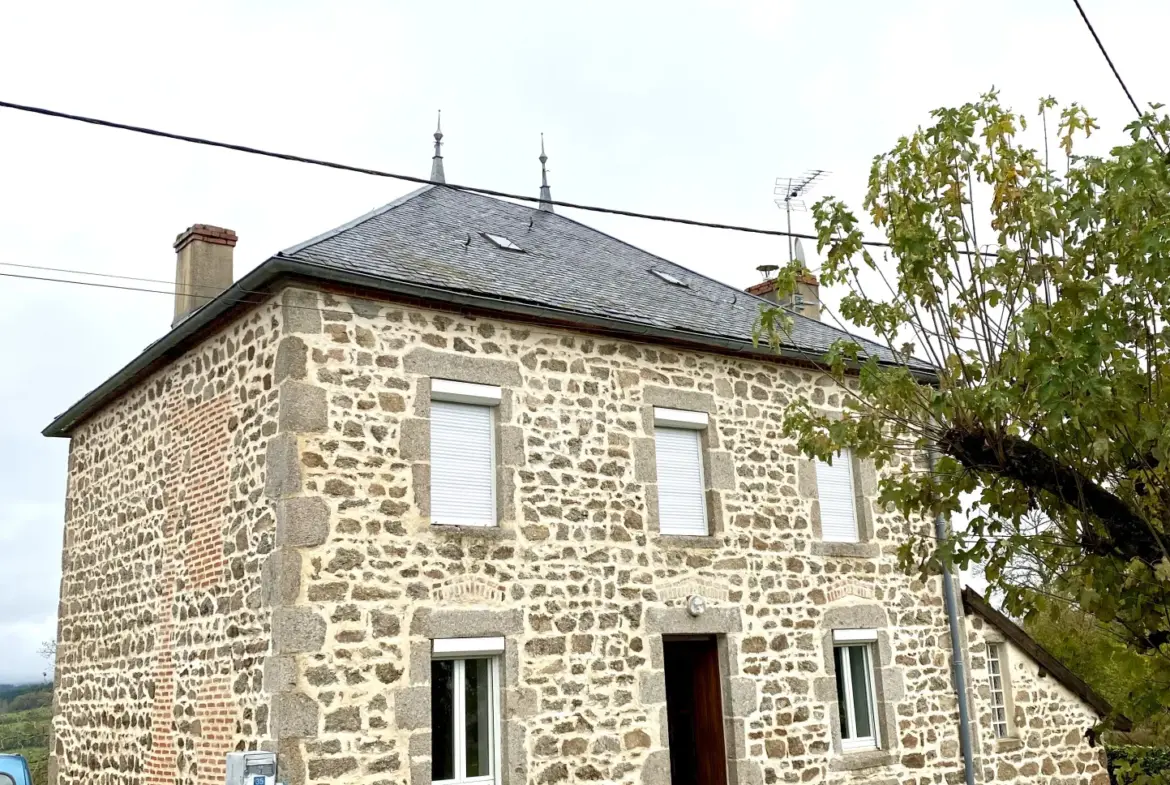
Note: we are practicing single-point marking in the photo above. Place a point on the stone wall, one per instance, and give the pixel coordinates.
(577, 576)
(249, 562)
(161, 634)
(1046, 741)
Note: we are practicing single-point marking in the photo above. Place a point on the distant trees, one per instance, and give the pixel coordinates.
(1100, 657)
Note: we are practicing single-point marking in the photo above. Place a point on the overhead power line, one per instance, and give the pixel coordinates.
(423, 181)
(394, 176)
(170, 292)
(1108, 59)
(1113, 68)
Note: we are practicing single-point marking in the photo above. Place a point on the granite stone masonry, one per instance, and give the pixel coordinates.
(250, 562)
(578, 579)
(162, 635)
(1046, 737)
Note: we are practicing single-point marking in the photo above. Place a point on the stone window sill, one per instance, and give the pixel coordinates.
(861, 759)
(688, 541)
(482, 532)
(1008, 744)
(854, 550)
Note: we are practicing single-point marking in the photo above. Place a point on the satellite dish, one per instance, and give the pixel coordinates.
(799, 252)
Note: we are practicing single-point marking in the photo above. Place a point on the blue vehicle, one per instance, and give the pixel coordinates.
(14, 771)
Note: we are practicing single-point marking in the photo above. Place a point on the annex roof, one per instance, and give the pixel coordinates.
(974, 602)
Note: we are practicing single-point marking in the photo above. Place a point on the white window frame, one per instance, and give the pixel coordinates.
(997, 671)
(483, 395)
(696, 423)
(845, 458)
(461, 650)
(867, 641)
(465, 392)
(680, 418)
(454, 648)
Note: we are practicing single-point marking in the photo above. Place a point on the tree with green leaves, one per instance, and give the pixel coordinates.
(1035, 283)
(1124, 677)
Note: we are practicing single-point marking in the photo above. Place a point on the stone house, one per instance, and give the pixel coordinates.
(465, 491)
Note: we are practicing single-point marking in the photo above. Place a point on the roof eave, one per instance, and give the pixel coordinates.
(545, 312)
(231, 298)
(261, 279)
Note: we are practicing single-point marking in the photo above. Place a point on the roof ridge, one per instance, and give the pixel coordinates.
(361, 219)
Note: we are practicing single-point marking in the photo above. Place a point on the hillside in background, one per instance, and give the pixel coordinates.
(26, 718)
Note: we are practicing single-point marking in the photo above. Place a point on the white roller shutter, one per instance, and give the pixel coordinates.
(682, 508)
(835, 490)
(462, 464)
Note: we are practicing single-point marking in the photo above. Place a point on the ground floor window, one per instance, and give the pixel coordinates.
(465, 718)
(853, 658)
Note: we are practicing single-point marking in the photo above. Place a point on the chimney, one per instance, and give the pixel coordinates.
(203, 267)
(806, 300)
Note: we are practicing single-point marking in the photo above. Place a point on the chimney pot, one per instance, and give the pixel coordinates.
(203, 267)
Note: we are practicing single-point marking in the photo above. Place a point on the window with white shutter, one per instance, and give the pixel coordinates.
(837, 499)
(678, 445)
(463, 460)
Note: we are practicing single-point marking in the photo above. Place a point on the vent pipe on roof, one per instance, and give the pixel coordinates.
(545, 191)
(203, 267)
(437, 175)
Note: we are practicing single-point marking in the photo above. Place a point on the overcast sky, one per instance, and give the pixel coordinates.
(681, 107)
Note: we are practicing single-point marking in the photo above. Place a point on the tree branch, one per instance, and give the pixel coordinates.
(1129, 535)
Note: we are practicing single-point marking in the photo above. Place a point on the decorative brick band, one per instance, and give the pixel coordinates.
(680, 590)
(468, 588)
(850, 587)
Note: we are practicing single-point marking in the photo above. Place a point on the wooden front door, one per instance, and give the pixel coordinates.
(694, 712)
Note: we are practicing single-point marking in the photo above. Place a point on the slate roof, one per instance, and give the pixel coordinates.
(430, 245)
(435, 236)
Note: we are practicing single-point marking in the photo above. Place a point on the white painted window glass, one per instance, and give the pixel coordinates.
(837, 499)
(463, 462)
(464, 721)
(682, 506)
(855, 696)
(996, 675)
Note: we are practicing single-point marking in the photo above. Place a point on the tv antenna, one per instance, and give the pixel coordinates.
(790, 192)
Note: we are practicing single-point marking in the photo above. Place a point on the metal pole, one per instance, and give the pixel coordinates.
(788, 211)
(959, 666)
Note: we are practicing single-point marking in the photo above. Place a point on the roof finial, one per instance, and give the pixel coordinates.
(545, 193)
(437, 175)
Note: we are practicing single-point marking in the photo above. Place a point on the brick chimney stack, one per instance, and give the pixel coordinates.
(806, 300)
(203, 267)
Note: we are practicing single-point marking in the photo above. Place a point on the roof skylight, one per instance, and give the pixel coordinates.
(670, 279)
(502, 242)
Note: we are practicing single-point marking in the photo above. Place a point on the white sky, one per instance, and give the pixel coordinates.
(683, 107)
